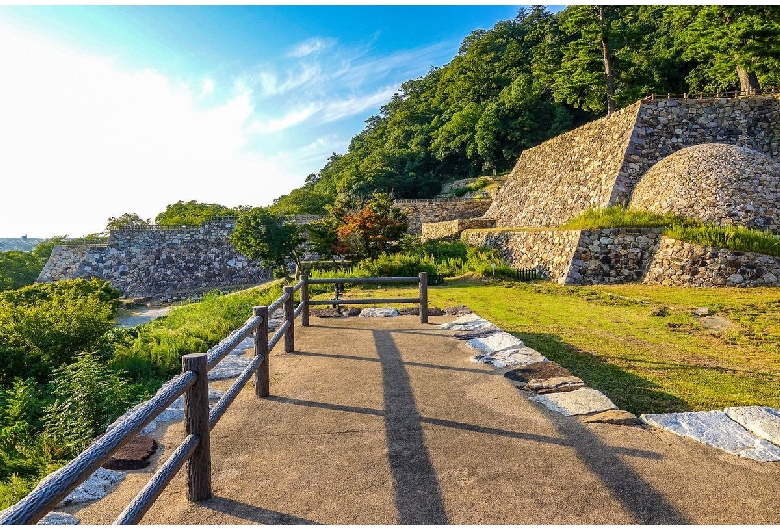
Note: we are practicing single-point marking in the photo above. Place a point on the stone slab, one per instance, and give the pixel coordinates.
(541, 370)
(716, 429)
(554, 384)
(134, 454)
(576, 402)
(59, 518)
(501, 340)
(98, 485)
(763, 422)
(510, 357)
(378, 312)
(468, 322)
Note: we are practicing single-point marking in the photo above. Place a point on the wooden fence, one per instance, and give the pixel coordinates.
(192, 383)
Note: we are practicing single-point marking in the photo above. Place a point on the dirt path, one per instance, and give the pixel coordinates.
(386, 421)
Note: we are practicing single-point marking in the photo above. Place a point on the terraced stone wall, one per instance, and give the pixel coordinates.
(159, 262)
(452, 229)
(599, 164)
(581, 257)
(687, 264)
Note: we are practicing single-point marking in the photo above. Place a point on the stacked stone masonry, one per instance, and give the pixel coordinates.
(434, 211)
(452, 229)
(155, 262)
(717, 183)
(610, 255)
(681, 263)
(600, 163)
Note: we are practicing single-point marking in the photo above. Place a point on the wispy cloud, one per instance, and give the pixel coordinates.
(290, 119)
(270, 85)
(310, 46)
(337, 109)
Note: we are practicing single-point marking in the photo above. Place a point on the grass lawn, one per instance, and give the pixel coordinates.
(641, 345)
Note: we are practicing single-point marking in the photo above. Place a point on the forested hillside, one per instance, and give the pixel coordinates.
(535, 76)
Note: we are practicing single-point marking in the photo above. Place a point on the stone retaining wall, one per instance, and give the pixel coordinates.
(452, 229)
(154, 262)
(599, 164)
(623, 255)
(435, 210)
(581, 257)
(681, 263)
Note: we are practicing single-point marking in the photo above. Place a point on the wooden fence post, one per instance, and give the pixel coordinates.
(196, 421)
(305, 298)
(424, 297)
(289, 316)
(262, 379)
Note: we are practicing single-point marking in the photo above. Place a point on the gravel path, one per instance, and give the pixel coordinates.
(387, 421)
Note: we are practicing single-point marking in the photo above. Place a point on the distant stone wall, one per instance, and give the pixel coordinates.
(582, 257)
(681, 263)
(155, 262)
(451, 229)
(600, 163)
(436, 210)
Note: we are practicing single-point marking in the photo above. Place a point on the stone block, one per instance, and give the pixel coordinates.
(495, 342)
(716, 429)
(576, 402)
(96, 486)
(763, 422)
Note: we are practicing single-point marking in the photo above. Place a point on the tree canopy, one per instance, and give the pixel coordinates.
(533, 77)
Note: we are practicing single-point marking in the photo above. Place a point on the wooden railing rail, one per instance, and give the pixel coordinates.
(422, 299)
(192, 383)
(194, 450)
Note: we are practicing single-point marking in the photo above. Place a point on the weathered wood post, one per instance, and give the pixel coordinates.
(305, 298)
(289, 316)
(424, 297)
(262, 379)
(196, 421)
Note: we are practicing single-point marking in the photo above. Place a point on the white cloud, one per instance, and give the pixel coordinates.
(81, 140)
(271, 86)
(310, 46)
(338, 109)
(207, 88)
(291, 119)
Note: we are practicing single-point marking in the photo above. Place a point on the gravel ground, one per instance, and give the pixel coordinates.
(385, 421)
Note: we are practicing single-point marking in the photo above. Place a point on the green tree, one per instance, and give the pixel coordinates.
(733, 46)
(43, 250)
(194, 213)
(260, 235)
(18, 269)
(125, 220)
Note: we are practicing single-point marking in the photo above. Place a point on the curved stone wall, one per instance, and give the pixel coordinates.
(717, 183)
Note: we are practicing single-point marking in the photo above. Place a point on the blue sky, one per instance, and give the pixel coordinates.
(113, 109)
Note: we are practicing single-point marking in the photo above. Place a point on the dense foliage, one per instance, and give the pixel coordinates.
(529, 79)
(193, 213)
(261, 235)
(66, 373)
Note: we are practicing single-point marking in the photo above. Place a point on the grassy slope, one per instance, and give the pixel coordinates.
(611, 337)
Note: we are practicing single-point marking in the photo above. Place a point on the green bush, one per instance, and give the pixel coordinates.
(88, 396)
(156, 350)
(44, 326)
(18, 269)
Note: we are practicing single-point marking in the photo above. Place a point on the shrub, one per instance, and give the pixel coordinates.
(88, 396)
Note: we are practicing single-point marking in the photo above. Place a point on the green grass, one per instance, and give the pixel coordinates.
(738, 238)
(640, 345)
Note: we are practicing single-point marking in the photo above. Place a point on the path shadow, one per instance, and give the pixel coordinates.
(251, 513)
(418, 497)
(639, 497)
